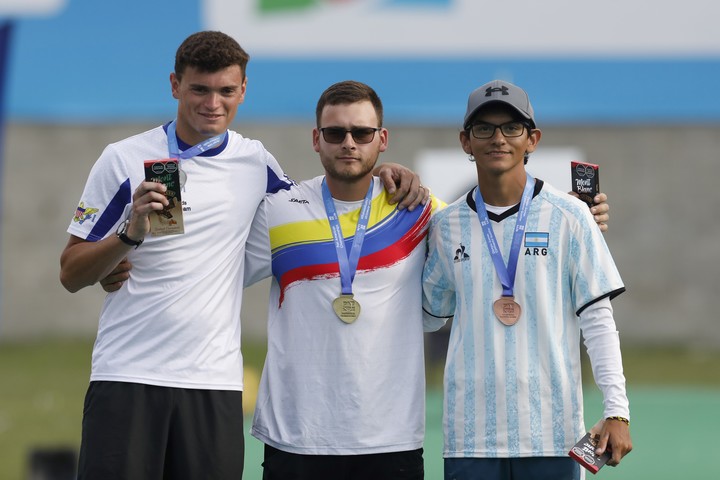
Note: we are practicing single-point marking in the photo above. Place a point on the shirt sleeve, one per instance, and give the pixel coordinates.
(107, 192)
(276, 179)
(258, 257)
(602, 341)
(593, 270)
(438, 286)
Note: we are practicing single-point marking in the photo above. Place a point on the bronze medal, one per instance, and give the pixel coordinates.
(346, 308)
(507, 310)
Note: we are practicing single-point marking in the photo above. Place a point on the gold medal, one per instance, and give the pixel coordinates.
(507, 310)
(346, 308)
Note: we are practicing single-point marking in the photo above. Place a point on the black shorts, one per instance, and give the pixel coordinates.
(145, 432)
(280, 465)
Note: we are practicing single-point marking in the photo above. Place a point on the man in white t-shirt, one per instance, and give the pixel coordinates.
(342, 393)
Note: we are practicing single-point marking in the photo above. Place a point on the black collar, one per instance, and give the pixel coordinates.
(507, 213)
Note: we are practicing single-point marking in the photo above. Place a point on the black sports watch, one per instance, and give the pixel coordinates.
(122, 235)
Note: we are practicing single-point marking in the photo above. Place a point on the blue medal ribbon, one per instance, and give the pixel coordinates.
(347, 263)
(506, 274)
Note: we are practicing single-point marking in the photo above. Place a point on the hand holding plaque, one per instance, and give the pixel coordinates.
(169, 220)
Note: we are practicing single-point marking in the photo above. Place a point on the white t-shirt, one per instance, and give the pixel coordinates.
(176, 321)
(330, 388)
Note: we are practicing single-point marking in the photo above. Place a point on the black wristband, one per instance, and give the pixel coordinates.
(122, 235)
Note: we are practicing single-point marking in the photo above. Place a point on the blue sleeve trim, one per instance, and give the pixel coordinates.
(112, 213)
(275, 183)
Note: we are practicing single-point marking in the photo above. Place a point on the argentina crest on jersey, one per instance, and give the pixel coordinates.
(536, 243)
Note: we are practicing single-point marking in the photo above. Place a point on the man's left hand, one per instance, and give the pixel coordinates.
(615, 436)
(600, 210)
(115, 279)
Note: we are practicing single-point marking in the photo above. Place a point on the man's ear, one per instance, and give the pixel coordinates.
(465, 141)
(174, 85)
(533, 140)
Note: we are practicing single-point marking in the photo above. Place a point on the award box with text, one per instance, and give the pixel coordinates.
(169, 220)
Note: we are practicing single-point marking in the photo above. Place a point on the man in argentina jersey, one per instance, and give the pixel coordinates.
(336, 399)
(513, 404)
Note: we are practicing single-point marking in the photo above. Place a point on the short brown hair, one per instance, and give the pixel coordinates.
(209, 52)
(349, 91)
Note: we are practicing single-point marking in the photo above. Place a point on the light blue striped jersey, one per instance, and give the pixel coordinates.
(516, 391)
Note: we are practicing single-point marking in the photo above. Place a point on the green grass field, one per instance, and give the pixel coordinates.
(674, 395)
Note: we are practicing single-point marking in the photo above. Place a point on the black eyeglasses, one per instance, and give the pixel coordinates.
(484, 130)
(359, 134)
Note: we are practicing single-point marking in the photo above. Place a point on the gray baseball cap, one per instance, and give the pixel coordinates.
(499, 91)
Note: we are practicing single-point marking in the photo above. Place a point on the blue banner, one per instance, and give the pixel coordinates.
(422, 56)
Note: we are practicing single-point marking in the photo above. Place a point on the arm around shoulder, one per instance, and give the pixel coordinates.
(403, 185)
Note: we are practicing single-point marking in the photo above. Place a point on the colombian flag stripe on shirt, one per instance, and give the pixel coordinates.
(305, 250)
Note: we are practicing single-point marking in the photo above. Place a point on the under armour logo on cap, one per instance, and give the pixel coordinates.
(489, 91)
(499, 92)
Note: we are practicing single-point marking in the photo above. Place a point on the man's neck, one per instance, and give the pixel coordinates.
(188, 136)
(348, 191)
(502, 191)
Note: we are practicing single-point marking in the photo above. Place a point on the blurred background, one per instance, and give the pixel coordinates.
(629, 85)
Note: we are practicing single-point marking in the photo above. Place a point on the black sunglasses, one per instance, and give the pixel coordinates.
(359, 134)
